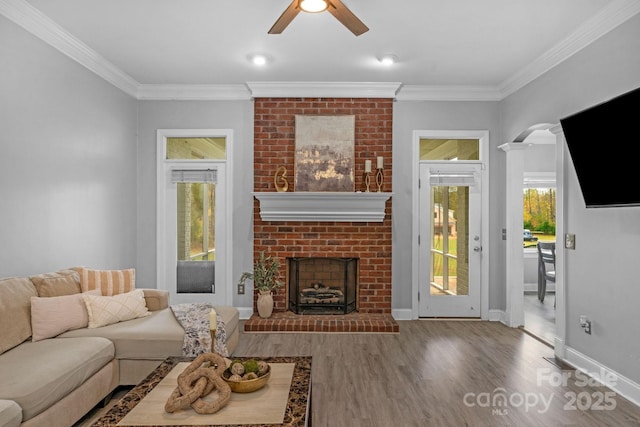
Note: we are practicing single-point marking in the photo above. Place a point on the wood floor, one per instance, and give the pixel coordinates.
(441, 373)
(540, 317)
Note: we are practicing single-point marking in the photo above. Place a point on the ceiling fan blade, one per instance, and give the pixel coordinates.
(346, 17)
(286, 18)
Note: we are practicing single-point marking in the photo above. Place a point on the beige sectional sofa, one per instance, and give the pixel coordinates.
(56, 381)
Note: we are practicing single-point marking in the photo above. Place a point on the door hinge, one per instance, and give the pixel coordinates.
(418, 240)
(419, 183)
(418, 296)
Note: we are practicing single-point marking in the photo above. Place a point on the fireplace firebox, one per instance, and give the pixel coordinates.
(322, 285)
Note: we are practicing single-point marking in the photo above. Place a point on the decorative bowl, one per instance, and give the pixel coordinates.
(246, 386)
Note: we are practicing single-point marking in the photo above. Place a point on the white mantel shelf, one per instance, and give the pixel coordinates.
(322, 206)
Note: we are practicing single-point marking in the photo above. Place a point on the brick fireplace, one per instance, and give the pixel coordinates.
(369, 242)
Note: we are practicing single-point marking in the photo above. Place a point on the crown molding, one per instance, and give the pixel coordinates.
(323, 89)
(448, 93)
(194, 92)
(611, 16)
(38, 24)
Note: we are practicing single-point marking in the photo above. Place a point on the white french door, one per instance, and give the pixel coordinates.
(194, 223)
(450, 247)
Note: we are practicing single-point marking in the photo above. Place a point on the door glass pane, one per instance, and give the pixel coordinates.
(449, 270)
(449, 149)
(196, 237)
(196, 148)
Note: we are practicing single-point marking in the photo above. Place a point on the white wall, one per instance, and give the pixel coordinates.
(602, 272)
(438, 115)
(67, 162)
(236, 115)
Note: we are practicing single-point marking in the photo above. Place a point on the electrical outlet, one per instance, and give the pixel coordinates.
(585, 324)
(570, 241)
(241, 289)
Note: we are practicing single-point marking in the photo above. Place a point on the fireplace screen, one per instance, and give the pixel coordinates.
(322, 285)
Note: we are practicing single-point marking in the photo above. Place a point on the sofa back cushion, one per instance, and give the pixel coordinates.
(15, 311)
(63, 282)
(110, 282)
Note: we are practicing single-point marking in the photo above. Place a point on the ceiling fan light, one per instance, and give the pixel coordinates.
(314, 6)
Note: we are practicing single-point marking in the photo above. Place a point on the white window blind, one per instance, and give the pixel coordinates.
(452, 179)
(194, 175)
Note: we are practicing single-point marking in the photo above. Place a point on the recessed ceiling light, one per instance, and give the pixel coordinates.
(259, 59)
(388, 59)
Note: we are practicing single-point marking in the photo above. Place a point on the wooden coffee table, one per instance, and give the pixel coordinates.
(297, 405)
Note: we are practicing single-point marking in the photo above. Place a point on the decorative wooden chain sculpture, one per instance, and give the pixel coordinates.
(197, 381)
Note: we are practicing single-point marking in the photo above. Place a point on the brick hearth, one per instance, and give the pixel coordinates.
(370, 242)
(287, 321)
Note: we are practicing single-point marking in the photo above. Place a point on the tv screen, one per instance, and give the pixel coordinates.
(602, 141)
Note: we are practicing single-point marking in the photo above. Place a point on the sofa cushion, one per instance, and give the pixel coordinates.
(110, 282)
(231, 318)
(51, 316)
(10, 413)
(63, 282)
(37, 375)
(15, 311)
(105, 310)
(153, 337)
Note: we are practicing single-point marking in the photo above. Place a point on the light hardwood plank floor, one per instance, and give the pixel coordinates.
(442, 373)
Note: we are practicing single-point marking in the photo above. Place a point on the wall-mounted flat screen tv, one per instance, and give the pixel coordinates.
(602, 141)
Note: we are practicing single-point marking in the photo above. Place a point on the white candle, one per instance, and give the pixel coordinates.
(213, 320)
(367, 166)
(380, 162)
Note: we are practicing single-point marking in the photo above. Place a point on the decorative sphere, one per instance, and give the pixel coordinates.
(250, 376)
(251, 366)
(263, 367)
(237, 369)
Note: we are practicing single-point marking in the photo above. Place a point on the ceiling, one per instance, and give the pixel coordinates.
(494, 45)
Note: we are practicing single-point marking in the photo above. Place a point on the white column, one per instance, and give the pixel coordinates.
(514, 225)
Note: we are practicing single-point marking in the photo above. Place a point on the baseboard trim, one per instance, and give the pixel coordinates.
(402, 314)
(498, 316)
(617, 382)
(245, 312)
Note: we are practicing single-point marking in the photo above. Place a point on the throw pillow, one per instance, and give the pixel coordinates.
(51, 316)
(110, 282)
(105, 310)
(15, 319)
(63, 282)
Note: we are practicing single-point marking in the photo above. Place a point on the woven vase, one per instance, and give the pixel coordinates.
(265, 304)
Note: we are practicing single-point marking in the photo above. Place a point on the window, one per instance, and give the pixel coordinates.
(449, 149)
(539, 208)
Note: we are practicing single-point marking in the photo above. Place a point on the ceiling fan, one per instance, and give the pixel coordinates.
(334, 7)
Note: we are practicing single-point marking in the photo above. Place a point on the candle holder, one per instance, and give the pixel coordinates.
(379, 179)
(366, 181)
(213, 340)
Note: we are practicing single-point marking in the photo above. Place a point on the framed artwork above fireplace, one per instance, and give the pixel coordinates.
(325, 151)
